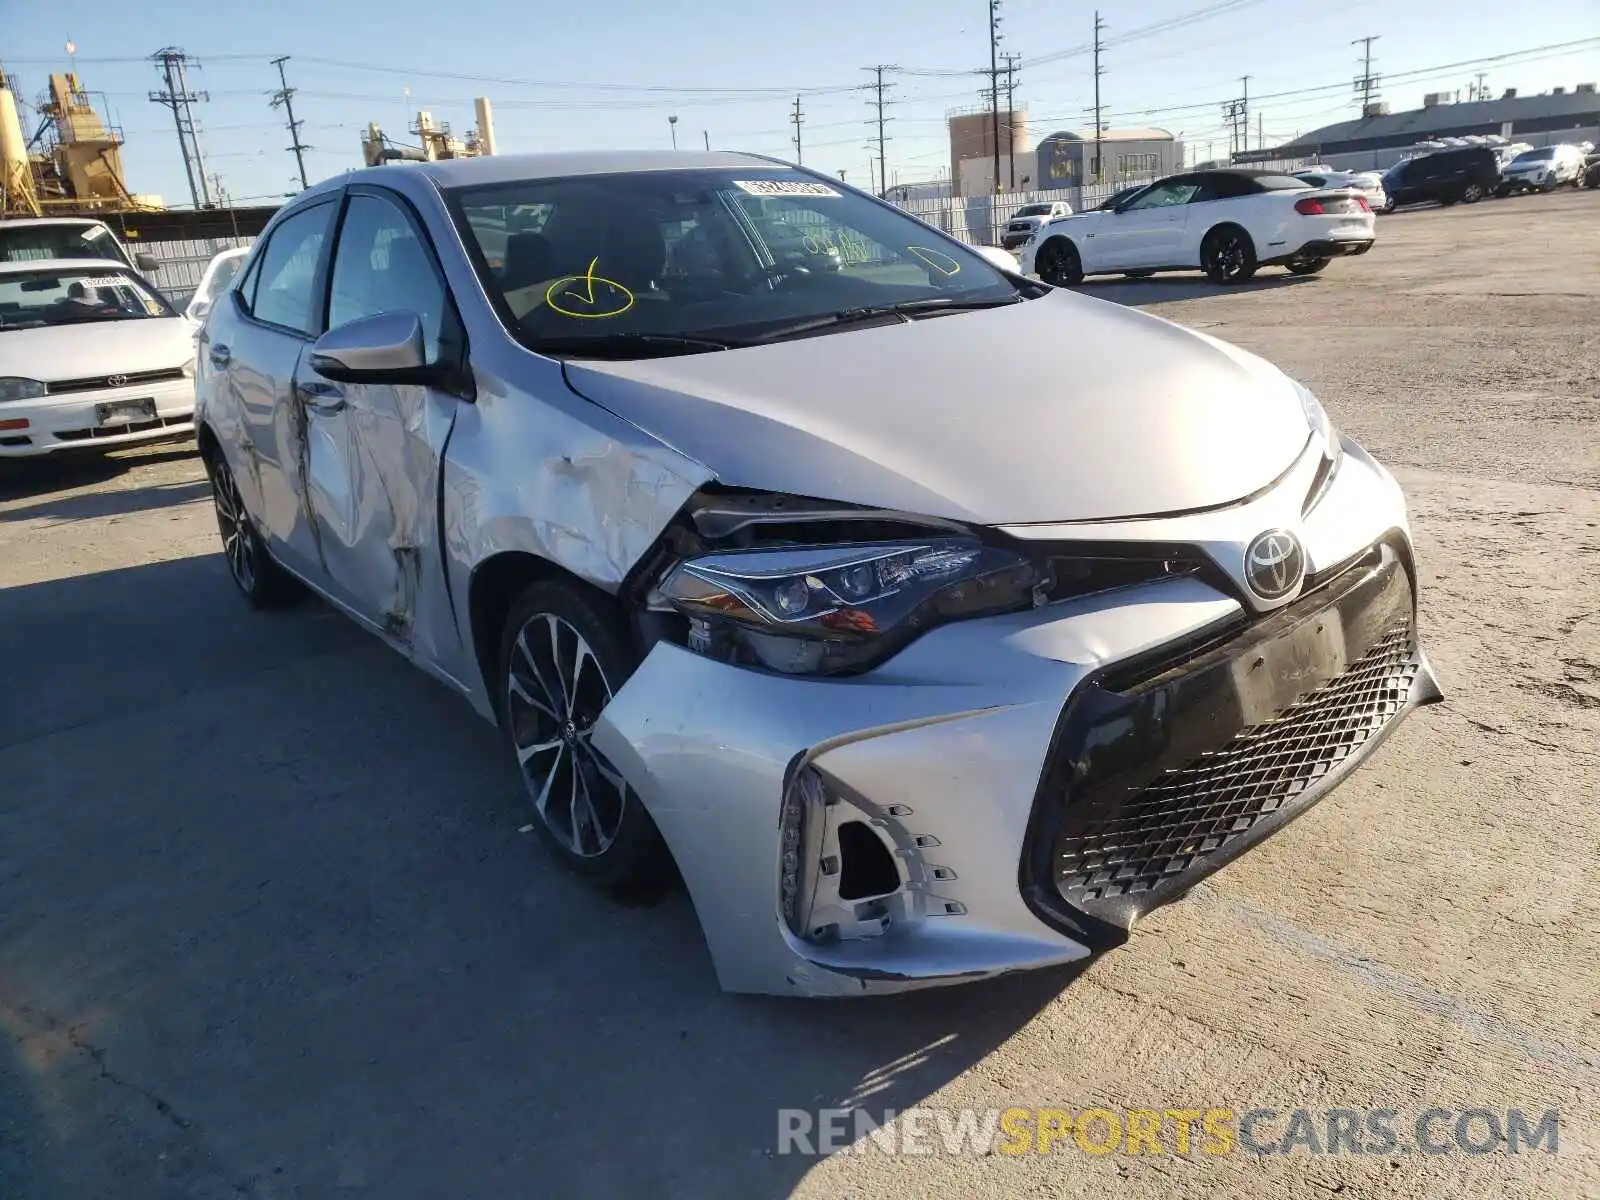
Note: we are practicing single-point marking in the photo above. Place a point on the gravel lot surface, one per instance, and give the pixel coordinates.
(268, 928)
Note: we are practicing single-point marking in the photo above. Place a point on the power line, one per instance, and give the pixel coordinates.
(285, 97)
(879, 86)
(177, 97)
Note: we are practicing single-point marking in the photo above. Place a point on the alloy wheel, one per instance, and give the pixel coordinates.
(234, 526)
(555, 691)
(1228, 255)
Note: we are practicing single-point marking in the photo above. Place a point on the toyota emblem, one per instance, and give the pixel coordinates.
(1274, 564)
(116, 381)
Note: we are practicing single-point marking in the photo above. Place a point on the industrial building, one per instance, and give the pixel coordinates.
(1064, 159)
(1381, 138)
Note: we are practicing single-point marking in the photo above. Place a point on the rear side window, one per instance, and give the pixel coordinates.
(285, 287)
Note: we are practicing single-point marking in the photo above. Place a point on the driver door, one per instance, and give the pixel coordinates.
(1146, 233)
(372, 451)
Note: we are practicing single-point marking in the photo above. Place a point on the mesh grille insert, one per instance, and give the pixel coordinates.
(1194, 810)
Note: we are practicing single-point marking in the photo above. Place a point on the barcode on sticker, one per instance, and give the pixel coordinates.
(103, 281)
(783, 187)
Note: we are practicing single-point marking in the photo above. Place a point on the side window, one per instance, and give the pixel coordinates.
(1220, 187)
(286, 279)
(382, 265)
(1165, 194)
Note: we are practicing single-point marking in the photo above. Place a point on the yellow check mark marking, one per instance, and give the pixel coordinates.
(588, 279)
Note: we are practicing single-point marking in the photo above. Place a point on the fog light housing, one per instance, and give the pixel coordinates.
(801, 824)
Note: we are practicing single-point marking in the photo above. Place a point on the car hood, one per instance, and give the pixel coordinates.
(1058, 409)
(100, 348)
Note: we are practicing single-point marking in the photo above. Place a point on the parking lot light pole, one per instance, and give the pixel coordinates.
(672, 124)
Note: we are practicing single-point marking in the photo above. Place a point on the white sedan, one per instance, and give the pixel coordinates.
(1227, 223)
(90, 356)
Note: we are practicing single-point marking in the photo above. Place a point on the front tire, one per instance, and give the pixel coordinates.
(1058, 263)
(1228, 256)
(1390, 204)
(564, 653)
(259, 579)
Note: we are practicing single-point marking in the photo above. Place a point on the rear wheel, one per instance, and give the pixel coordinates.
(261, 581)
(564, 653)
(1228, 256)
(1307, 266)
(1472, 193)
(1058, 263)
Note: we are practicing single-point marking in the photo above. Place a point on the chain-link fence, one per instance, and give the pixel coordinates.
(980, 220)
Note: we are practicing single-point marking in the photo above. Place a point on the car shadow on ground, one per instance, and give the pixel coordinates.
(271, 925)
(64, 470)
(1169, 289)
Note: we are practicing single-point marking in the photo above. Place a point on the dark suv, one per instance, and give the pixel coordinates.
(1468, 175)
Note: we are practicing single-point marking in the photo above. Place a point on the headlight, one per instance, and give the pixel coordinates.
(188, 369)
(1321, 425)
(12, 388)
(825, 610)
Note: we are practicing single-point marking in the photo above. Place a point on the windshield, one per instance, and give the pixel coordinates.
(34, 243)
(727, 255)
(34, 299)
(1536, 155)
(1034, 210)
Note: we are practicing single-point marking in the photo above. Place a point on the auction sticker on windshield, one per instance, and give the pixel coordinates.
(783, 187)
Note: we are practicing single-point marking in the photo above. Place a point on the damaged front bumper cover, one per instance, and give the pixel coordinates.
(1014, 791)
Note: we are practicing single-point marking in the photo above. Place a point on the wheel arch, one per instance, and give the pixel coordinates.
(1222, 225)
(493, 587)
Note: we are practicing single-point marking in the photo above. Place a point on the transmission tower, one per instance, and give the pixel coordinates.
(879, 87)
(797, 117)
(1099, 124)
(174, 64)
(1366, 82)
(285, 96)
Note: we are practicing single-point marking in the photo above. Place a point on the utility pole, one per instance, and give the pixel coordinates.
(1479, 91)
(1011, 115)
(1244, 114)
(1261, 137)
(285, 97)
(1232, 118)
(706, 133)
(994, 87)
(173, 64)
(879, 86)
(1366, 82)
(1099, 125)
(797, 116)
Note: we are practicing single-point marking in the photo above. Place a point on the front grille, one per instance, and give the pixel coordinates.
(1195, 810)
(94, 383)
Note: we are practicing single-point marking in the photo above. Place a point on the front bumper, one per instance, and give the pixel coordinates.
(71, 421)
(1012, 238)
(972, 758)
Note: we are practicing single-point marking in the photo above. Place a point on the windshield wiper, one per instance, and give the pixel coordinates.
(629, 345)
(908, 309)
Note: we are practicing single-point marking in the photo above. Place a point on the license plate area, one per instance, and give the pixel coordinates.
(125, 412)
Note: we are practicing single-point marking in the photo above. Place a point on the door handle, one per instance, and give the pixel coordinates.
(321, 397)
(220, 355)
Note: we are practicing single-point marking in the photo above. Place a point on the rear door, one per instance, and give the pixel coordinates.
(1147, 232)
(276, 313)
(372, 451)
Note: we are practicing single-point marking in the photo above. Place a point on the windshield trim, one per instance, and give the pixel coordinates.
(452, 198)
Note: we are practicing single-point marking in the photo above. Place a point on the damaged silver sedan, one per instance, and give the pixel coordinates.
(932, 622)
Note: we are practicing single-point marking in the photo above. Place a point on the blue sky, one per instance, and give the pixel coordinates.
(732, 70)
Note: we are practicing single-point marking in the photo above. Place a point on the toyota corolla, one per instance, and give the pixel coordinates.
(921, 655)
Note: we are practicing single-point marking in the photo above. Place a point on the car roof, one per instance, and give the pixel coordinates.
(13, 221)
(102, 265)
(509, 168)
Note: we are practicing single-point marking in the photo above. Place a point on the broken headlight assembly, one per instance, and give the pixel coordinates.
(828, 610)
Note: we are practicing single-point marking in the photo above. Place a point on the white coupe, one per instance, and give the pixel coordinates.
(91, 356)
(1227, 223)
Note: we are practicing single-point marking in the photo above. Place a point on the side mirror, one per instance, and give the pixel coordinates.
(386, 348)
(198, 309)
(147, 263)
